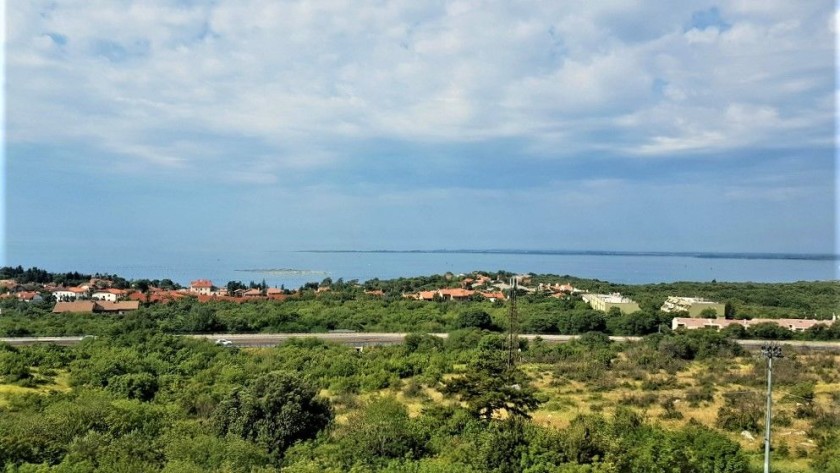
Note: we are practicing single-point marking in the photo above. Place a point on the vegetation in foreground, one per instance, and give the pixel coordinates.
(139, 401)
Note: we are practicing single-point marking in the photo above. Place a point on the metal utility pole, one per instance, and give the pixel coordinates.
(513, 327)
(771, 352)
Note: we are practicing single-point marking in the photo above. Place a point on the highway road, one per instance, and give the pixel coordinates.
(361, 339)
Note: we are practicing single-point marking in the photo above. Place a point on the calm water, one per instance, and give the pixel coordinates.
(222, 267)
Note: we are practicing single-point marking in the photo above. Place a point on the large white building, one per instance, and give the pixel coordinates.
(605, 302)
(694, 306)
(795, 325)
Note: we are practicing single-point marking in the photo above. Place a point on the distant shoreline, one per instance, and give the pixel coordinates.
(688, 254)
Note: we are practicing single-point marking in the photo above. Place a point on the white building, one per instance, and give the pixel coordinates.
(605, 302)
(694, 306)
(69, 294)
(104, 296)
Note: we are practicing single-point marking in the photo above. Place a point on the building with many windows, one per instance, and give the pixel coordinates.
(605, 302)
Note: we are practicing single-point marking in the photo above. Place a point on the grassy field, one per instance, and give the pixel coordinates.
(43, 385)
(696, 393)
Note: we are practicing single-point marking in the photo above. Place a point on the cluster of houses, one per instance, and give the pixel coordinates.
(98, 297)
(205, 290)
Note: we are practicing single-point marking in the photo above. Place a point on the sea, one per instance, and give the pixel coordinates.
(292, 269)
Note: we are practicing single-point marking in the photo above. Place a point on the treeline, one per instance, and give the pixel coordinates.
(35, 275)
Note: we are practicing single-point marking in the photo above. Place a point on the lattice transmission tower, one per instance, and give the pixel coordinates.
(513, 328)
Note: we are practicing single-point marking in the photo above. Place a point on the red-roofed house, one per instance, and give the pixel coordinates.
(28, 296)
(456, 294)
(75, 306)
(427, 295)
(493, 296)
(109, 294)
(201, 286)
(69, 293)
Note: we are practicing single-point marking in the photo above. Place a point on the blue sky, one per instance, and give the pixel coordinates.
(158, 125)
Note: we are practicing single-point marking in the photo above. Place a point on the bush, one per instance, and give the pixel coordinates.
(695, 396)
(741, 411)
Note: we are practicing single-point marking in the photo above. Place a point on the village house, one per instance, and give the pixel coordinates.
(493, 296)
(201, 286)
(29, 296)
(67, 294)
(110, 295)
(426, 295)
(9, 284)
(455, 294)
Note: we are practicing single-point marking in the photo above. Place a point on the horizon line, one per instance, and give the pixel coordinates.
(514, 251)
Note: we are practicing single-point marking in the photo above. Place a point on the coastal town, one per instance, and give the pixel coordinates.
(99, 295)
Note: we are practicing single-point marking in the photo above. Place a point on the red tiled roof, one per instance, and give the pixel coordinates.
(76, 290)
(461, 293)
(106, 306)
(201, 283)
(76, 306)
(26, 295)
(427, 295)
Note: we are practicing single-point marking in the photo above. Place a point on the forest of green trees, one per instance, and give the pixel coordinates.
(136, 401)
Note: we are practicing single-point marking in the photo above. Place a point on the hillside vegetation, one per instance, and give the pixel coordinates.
(136, 400)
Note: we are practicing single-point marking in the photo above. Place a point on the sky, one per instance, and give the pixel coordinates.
(160, 126)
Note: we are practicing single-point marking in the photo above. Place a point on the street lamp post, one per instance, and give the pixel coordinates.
(771, 352)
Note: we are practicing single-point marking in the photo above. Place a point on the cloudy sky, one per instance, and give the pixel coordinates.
(614, 125)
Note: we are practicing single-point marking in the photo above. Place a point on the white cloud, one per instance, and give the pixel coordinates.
(299, 79)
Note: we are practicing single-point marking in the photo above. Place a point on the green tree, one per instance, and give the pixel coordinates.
(489, 386)
(379, 431)
(274, 411)
(475, 319)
